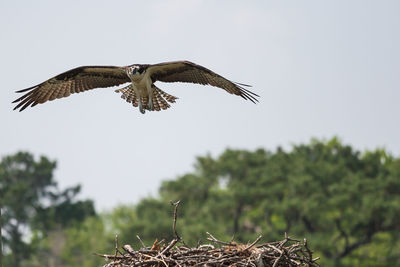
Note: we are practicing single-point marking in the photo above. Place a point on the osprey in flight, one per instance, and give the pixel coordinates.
(141, 90)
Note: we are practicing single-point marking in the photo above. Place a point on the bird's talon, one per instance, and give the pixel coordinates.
(141, 107)
(150, 105)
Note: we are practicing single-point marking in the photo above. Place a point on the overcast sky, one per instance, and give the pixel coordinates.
(322, 69)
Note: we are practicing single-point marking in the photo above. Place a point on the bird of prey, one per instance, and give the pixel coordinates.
(141, 91)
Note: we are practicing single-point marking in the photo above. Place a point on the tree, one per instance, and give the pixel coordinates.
(346, 202)
(1, 239)
(32, 203)
(73, 245)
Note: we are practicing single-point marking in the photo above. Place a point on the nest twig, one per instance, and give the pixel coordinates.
(288, 252)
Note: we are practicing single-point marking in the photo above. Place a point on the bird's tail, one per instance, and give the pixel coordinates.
(129, 95)
(160, 98)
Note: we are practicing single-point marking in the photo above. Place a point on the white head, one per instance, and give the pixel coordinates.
(135, 70)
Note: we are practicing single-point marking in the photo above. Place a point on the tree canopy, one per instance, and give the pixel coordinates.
(344, 201)
(32, 204)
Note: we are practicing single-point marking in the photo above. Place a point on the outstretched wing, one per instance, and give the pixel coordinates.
(188, 72)
(73, 81)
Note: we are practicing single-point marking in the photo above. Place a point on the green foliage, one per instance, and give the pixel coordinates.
(72, 246)
(32, 204)
(128, 222)
(82, 241)
(346, 203)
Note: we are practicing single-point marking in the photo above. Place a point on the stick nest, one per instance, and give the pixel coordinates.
(288, 252)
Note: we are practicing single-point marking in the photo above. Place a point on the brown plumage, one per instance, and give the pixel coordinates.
(141, 92)
(159, 104)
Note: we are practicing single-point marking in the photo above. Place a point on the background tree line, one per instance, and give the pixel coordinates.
(345, 202)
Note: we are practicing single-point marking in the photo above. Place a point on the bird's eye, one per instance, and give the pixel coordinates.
(133, 70)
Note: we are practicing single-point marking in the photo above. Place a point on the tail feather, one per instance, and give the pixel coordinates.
(159, 98)
(156, 103)
(129, 95)
(145, 102)
(170, 98)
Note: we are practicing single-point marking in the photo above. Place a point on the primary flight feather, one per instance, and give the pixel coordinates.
(141, 91)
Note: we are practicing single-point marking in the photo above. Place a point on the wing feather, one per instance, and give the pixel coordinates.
(188, 72)
(76, 80)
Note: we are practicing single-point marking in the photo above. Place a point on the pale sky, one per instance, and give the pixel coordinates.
(322, 68)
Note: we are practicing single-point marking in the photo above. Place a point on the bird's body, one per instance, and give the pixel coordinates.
(142, 86)
(141, 91)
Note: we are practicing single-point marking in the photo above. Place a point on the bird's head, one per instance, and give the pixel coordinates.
(135, 70)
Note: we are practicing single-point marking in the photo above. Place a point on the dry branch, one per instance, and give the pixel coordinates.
(288, 252)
